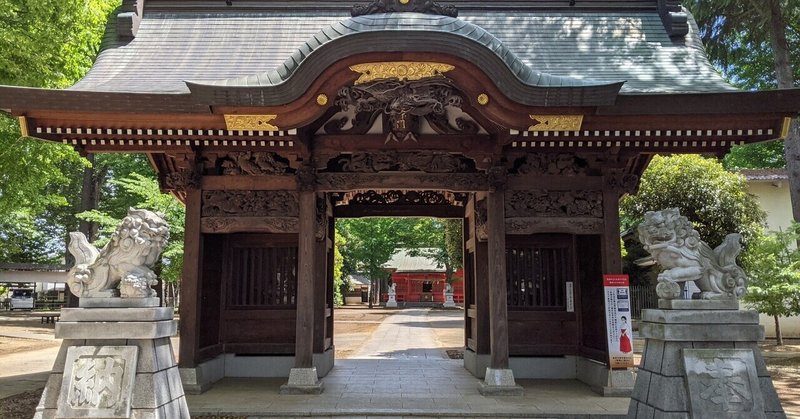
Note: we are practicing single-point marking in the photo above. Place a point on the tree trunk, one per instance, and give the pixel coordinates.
(778, 334)
(90, 197)
(371, 291)
(785, 80)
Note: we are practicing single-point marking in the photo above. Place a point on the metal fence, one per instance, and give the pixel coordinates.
(642, 296)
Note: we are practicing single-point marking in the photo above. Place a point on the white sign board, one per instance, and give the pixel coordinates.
(618, 321)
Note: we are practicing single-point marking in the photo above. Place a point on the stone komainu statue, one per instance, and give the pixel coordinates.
(676, 246)
(122, 267)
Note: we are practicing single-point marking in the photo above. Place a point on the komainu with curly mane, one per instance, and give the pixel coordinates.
(676, 246)
(123, 267)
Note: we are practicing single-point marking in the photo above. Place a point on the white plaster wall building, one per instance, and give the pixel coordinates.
(771, 188)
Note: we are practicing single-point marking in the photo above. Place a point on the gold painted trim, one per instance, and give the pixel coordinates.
(556, 122)
(483, 99)
(787, 123)
(23, 126)
(401, 70)
(322, 99)
(250, 122)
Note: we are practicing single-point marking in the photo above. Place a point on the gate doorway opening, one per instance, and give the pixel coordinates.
(412, 269)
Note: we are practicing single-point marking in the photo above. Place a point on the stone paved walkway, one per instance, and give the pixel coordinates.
(401, 371)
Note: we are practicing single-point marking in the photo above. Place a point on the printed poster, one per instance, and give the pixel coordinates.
(618, 321)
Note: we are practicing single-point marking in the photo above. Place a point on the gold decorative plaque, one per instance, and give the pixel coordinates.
(556, 122)
(250, 122)
(787, 122)
(483, 99)
(322, 99)
(402, 70)
(23, 126)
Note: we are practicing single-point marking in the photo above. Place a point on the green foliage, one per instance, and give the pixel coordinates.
(338, 263)
(773, 266)
(736, 35)
(150, 197)
(43, 43)
(50, 43)
(767, 155)
(371, 242)
(714, 200)
(438, 239)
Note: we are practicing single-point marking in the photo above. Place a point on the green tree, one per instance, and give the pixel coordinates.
(773, 266)
(338, 265)
(43, 43)
(440, 240)
(714, 200)
(756, 45)
(370, 243)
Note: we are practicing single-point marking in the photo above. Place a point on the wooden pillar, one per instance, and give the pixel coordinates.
(498, 313)
(614, 184)
(320, 286)
(191, 282)
(304, 336)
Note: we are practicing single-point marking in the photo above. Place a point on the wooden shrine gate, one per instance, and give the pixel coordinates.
(531, 132)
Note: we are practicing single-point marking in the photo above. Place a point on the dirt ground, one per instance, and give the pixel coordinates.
(353, 326)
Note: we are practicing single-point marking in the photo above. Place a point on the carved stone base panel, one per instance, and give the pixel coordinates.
(703, 364)
(114, 377)
(272, 225)
(531, 225)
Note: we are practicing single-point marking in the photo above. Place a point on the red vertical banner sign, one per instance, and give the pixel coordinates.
(618, 321)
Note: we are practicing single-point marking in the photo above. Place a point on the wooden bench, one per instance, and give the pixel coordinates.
(50, 318)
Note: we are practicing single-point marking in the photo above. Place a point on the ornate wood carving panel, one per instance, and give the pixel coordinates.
(375, 162)
(246, 163)
(565, 164)
(249, 204)
(544, 203)
(272, 225)
(576, 225)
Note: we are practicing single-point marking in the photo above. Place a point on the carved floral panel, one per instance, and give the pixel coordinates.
(554, 203)
(249, 204)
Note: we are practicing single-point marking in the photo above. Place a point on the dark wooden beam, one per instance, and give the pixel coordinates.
(498, 314)
(304, 336)
(190, 282)
(438, 211)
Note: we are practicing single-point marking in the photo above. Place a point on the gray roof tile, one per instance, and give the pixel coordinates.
(571, 46)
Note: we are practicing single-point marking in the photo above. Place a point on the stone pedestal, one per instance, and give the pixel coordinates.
(303, 381)
(391, 301)
(499, 382)
(703, 364)
(114, 363)
(448, 300)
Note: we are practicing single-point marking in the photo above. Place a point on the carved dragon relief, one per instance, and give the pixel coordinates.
(249, 204)
(390, 6)
(250, 163)
(403, 102)
(546, 203)
(375, 162)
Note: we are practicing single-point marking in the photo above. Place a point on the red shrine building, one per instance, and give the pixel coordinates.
(420, 279)
(528, 120)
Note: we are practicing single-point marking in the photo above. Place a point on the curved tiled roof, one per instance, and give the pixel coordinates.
(255, 48)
